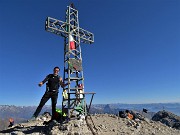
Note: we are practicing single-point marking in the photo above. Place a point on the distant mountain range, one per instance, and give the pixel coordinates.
(23, 113)
(153, 107)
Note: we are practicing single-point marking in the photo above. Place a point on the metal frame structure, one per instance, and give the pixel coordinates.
(70, 30)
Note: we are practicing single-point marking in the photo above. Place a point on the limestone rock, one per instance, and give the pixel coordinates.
(167, 118)
(102, 124)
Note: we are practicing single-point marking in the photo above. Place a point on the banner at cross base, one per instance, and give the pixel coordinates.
(75, 64)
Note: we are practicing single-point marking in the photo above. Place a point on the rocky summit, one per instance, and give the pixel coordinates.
(168, 119)
(97, 124)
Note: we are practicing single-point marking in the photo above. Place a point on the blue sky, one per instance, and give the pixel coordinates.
(135, 57)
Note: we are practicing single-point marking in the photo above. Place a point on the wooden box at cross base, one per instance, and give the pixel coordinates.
(73, 96)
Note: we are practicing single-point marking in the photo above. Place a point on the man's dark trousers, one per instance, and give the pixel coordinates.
(47, 95)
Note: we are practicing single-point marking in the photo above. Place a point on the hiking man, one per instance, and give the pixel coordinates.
(54, 81)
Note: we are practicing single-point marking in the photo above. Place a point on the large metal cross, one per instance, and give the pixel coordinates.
(73, 100)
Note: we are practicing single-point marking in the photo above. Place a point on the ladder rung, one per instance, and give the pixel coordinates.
(73, 99)
(69, 108)
(72, 71)
(73, 79)
(73, 89)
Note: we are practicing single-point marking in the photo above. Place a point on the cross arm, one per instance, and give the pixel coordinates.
(56, 26)
(86, 36)
(61, 28)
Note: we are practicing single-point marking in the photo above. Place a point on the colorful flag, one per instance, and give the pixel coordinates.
(72, 42)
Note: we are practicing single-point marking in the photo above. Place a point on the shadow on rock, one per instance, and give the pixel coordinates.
(26, 130)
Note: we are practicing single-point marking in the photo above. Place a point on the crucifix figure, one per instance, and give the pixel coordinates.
(73, 100)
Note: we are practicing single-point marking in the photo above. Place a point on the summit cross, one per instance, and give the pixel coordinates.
(73, 94)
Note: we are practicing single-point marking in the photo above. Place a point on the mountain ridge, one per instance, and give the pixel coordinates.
(97, 124)
(23, 113)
